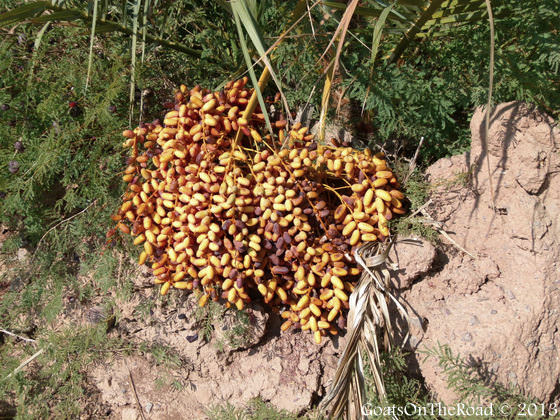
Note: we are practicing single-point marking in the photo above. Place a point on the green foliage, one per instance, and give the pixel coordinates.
(473, 382)
(68, 162)
(212, 313)
(414, 225)
(163, 356)
(417, 191)
(59, 201)
(433, 90)
(53, 386)
(237, 335)
(256, 409)
(206, 317)
(400, 387)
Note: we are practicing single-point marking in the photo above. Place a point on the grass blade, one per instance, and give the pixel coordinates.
(133, 58)
(36, 46)
(70, 15)
(377, 32)
(91, 39)
(144, 27)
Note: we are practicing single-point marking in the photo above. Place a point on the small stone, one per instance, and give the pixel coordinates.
(474, 320)
(467, 337)
(493, 312)
(22, 254)
(303, 366)
(148, 407)
(192, 338)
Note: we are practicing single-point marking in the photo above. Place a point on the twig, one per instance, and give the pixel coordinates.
(412, 164)
(422, 207)
(135, 393)
(47, 232)
(63, 221)
(439, 227)
(119, 270)
(29, 340)
(489, 105)
(22, 365)
(310, 18)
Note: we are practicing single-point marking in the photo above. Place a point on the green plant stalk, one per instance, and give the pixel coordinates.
(133, 60)
(123, 11)
(91, 40)
(144, 29)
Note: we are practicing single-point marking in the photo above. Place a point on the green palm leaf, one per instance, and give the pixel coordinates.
(32, 13)
(27, 11)
(251, 69)
(247, 19)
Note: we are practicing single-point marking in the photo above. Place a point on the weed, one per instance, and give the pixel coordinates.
(414, 225)
(400, 387)
(11, 244)
(472, 380)
(256, 409)
(164, 356)
(238, 334)
(53, 385)
(417, 191)
(206, 317)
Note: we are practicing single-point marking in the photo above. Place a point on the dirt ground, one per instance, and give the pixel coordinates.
(182, 372)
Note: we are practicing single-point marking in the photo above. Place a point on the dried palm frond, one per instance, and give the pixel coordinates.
(370, 330)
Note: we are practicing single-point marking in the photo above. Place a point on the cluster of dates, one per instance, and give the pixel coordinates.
(273, 218)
